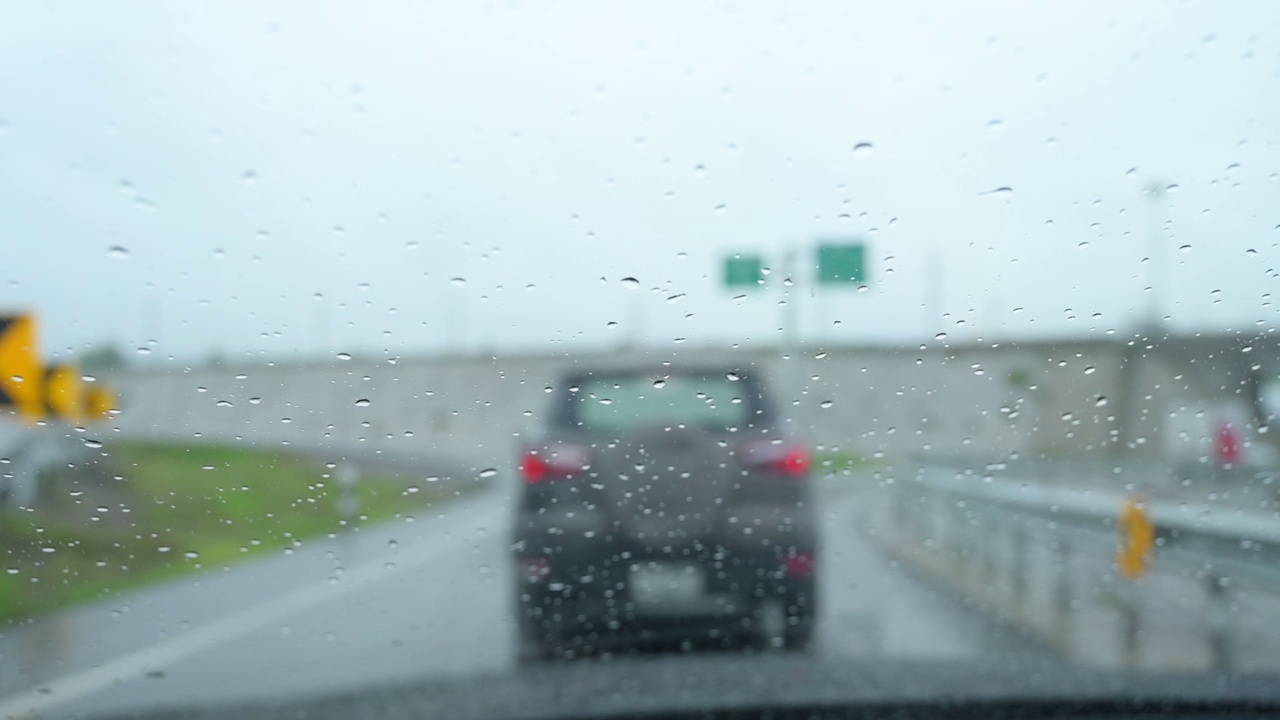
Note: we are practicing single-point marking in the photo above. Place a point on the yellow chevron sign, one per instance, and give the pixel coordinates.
(34, 392)
(98, 403)
(21, 377)
(64, 394)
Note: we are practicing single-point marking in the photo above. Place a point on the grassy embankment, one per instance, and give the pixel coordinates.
(151, 512)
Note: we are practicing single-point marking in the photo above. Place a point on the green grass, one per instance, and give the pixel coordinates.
(840, 463)
(159, 511)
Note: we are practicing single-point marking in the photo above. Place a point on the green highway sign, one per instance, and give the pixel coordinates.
(743, 271)
(842, 263)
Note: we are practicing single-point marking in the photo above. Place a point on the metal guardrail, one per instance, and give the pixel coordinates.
(986, 524)
(1226, 540)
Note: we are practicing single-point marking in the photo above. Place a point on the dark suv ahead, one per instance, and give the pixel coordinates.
(663, 504)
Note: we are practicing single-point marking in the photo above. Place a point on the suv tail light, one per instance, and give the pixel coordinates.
(798, 565)
(780, 457)
(534, 570)
(554, 462)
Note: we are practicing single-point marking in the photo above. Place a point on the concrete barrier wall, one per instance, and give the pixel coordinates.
(1056, 398)
(1053, 398)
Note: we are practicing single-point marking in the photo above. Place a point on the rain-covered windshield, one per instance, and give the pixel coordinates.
(519, 358)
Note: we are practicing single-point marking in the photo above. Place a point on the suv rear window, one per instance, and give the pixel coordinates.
(622, 403)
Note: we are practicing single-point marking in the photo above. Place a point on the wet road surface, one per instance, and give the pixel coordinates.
(406, 601)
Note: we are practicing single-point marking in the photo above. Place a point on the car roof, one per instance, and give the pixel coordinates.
(744, 370)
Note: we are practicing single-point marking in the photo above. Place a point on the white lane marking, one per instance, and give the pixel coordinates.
(166, 652)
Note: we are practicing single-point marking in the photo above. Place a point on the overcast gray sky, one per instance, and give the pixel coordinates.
(294, 178)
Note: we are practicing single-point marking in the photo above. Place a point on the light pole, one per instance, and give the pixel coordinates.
(790, 297)
(1156, 266)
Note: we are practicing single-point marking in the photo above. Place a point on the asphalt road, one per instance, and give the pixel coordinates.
(414, 601)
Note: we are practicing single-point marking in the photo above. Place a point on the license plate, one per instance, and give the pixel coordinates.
(656, 584)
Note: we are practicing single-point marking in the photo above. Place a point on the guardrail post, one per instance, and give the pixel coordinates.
(987, 549)
(1062, 591)
(1221, 635)
(933, 526)
(1018, 566)
(959, 535)
(1129, 624)
(899, 511)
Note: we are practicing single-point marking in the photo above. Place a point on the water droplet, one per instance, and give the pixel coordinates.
(143, 351)
(940, 336)
(1002, 193)
(92, 443)
(223, 403)
(343, 356)
(825, 404)
(1100, 401)
(362, 402)
(458, 281)
(659, 383)
(488, 472)
(1185, 248)
(1090, 370)
(1131, 172)
(863, 149)
(630, 283)
(255, 400)
(117, 252)
(1171, 188)
(995, 124)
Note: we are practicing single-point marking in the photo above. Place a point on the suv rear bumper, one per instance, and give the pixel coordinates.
(555, 611)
